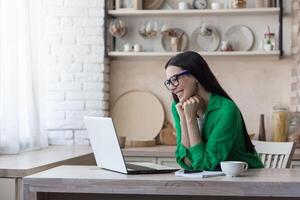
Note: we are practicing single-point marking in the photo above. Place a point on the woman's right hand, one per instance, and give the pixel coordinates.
(179, 107)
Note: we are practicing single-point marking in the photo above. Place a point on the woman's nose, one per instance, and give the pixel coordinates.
(172, 87)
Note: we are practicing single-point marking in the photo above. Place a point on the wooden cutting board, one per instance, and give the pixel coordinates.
(167, 135)
(138, 115)
(140, 143)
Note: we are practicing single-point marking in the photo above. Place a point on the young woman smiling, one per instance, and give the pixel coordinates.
(209, 126)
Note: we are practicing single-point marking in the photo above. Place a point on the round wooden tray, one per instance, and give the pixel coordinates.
(138, 115)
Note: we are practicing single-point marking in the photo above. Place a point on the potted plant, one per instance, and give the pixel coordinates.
(268, 46)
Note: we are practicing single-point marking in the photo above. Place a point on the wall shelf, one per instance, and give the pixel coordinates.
(206, 54)
(193, 12)
(277, 12)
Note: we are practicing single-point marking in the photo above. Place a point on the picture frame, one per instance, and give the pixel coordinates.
(128, 4)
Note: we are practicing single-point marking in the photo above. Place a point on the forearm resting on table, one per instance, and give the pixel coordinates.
(193, 130)
(184, 135)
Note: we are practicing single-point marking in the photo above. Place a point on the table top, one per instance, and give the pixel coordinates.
(30, 162)
(90, 179)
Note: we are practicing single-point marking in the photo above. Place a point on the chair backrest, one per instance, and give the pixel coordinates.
(275, 154)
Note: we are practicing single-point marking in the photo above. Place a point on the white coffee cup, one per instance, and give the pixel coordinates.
(216, 5)
(233, 168)
(183, 5)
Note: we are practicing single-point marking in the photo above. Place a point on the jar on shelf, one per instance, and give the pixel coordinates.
(238, 4)
(294, 122)
(269, 41)
(280, 123)
(259, 3)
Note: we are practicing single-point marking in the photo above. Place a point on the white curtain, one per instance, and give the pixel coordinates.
(22, 121)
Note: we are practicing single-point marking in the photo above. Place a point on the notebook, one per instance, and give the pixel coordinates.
(107, 151)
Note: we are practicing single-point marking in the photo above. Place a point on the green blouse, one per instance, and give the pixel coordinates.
(222, 135)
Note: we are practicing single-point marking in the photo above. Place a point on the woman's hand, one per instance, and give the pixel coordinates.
(192, 106)
(180, 111)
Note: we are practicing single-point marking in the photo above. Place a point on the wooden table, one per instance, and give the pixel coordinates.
(89, 182)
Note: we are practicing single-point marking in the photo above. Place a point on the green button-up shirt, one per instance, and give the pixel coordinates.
(222, 137)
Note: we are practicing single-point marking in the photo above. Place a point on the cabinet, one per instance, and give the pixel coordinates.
(295, 163)
(133, 18)
(167, 161)
(8, 184)
(163, 155)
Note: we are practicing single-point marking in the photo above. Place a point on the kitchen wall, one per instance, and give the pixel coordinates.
(77, 74)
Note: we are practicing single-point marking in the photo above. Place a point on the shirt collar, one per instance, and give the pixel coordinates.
(214, 102)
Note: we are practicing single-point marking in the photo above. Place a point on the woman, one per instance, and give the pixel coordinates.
(209, 126)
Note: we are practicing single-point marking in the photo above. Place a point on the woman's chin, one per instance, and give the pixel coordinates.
(182, 99)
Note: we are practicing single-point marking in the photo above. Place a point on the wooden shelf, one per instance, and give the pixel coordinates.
(206, 54)
(194, 12)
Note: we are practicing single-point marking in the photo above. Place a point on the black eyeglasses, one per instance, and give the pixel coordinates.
(173, 81)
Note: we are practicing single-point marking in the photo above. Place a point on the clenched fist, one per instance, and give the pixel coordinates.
(192, 106)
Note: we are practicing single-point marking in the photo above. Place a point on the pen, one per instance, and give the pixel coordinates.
(186, 171)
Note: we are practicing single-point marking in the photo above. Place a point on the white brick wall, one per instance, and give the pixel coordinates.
(78, 78)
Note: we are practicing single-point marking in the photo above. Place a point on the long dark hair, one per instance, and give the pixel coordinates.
(198, 67)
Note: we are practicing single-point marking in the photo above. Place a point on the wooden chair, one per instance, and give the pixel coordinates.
(275, 154)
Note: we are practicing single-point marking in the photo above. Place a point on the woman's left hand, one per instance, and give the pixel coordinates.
(191, 107)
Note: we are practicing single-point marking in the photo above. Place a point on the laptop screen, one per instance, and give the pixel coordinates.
(105, 144)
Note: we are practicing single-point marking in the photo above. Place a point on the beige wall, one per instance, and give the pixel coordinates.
(256, 84)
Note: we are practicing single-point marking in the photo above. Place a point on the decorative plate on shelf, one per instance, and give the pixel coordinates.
(208, 40)
(174, 3)
(166, 40)
(152, 4)
(240, 37)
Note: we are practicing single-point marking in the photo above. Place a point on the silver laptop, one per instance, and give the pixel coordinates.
(107, 151)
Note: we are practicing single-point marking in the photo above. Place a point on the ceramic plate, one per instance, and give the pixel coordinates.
(166, 41)
(240, 37)
(174, 3)
(205, 43)
(152, 4)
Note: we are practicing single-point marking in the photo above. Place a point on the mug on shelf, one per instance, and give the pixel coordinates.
(183, 5)
(127, 47)
(137, 48)
(216, 5)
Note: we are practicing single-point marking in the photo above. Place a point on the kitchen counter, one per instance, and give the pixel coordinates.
(27, 163)
(169, 151)
(89, 182)
(159, 150)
